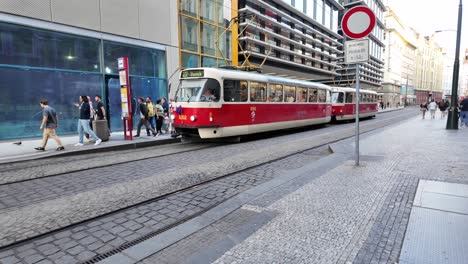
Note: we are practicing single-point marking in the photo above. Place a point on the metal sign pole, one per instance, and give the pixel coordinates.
(357, 115)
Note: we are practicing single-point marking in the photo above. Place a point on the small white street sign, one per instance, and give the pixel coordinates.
(356, 51)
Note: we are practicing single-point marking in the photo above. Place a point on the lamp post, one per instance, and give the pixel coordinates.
(452, 120)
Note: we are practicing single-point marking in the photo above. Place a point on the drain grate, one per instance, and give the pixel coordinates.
(132, 243)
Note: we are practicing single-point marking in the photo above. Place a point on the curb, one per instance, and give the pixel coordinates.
(101, 149)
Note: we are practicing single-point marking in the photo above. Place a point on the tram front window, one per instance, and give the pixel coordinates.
(198, 90)
(337, 98)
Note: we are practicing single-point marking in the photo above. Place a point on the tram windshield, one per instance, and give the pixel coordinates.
(338, 98)
(198, 90)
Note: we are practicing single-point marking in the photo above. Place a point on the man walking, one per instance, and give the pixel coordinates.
(48, 126)
(150, 107)
(433, 108)
(464, 112)
(83, 122)
(143, 118)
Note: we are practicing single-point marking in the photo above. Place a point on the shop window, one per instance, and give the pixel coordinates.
(235, 91)
(275, 93)
(26, 46)
(257, 92)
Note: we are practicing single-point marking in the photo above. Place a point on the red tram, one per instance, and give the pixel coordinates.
(215, 103)
(344, 103)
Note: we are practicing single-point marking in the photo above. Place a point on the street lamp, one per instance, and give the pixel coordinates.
(452, 120)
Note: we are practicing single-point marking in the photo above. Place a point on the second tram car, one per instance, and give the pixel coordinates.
(215, 103)
(344, 103)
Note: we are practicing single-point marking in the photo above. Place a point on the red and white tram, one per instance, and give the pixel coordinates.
(344, 103)
(215, 103)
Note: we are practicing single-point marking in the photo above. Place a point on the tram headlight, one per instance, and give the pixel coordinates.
(172, 116)
(193, 118)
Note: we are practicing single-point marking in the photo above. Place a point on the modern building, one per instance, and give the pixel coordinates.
(429, 69)
(371, 72)
(290, 38)
(59, 50)
(399, 58)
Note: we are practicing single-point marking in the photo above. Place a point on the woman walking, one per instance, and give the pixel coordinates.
(423, 108)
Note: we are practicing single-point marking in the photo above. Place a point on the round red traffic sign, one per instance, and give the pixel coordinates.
(358, 22)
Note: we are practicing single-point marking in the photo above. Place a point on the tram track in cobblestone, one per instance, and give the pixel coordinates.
(175, 192)
(83, 166)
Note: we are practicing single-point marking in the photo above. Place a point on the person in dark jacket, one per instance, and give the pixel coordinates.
(144, 117)
(464, 112)
(83, 122)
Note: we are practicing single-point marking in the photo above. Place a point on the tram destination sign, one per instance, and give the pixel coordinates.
(356, 51)
(192, 74)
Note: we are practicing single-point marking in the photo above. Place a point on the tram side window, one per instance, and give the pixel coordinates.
(301, 94)
(349, 98)
(257, 92)
(328, 97)
(289, 93)
(338, 98)
(235, 91)
(322, 96)
(211, 91)
(275, 93)
(313, 95)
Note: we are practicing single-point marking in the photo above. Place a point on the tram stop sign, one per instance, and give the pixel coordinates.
(358, 22)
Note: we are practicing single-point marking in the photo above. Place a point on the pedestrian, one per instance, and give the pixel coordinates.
(100, 112)
(171, 116)
(48, 126)
(159, 111)
(83, 122)
(143, 118)
(165, 106)
(443, 105)
(464, 112)
(91, 117)
(151, 121)
(423, 108)
(433, 108)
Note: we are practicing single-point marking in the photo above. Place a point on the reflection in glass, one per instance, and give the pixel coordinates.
(224, 43)
(224, 12)
(338, 98)
(207, 10)
(319, 11)
(23, 89)
(190, 60)
(208, 40)
(189, 34)
(208, 62)
(189, 7)
(143, 61)
(20, 45)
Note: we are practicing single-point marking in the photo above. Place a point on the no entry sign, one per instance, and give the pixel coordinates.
(358, 22)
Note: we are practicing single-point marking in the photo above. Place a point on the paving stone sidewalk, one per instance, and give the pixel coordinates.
(358, 215)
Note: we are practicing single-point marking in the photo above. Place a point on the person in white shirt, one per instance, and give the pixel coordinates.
(433, 108)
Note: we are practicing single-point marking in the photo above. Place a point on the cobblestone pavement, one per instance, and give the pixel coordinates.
(357, 215)
(85, 241)
(39, 206)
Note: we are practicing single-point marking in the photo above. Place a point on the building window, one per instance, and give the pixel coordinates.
(207, 10)
(224, 43)
(190, 60)
(224, 12)
(208, 62)
(208, 33)
(189, 7)
(189, 34)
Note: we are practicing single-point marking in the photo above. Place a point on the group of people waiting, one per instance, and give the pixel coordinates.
(150, 114)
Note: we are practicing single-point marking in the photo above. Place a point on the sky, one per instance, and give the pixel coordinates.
(428, 16)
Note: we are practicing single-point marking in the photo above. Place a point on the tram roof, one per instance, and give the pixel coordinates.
(254, 76)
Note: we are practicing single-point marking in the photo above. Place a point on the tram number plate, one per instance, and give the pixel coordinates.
(182, 117)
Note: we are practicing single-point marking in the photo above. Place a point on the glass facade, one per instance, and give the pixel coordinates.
(204, 33)
(40, 64)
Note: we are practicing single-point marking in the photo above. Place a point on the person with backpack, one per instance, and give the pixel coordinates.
(150, 107)
(143, 118)
(83, 122)
(48, 126)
